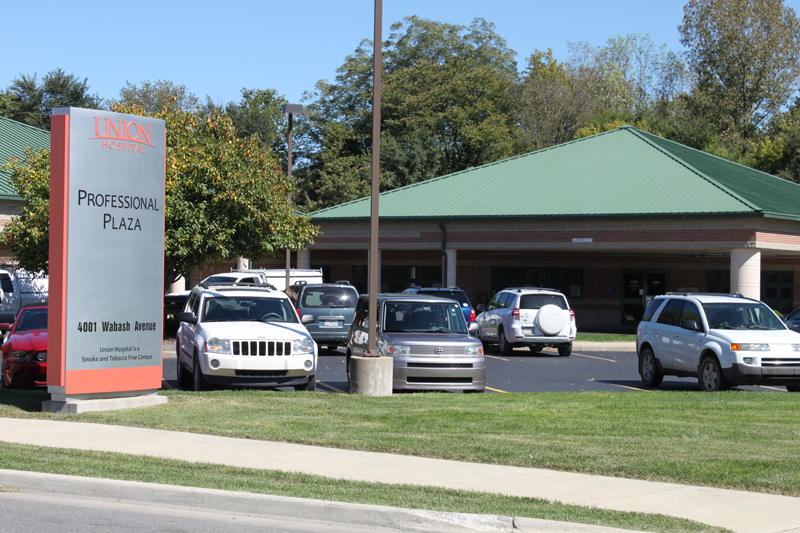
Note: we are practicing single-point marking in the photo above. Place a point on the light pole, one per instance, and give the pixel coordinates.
(371, 374)
(290, 109)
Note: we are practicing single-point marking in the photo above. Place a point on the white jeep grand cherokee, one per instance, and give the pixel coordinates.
(722, 340)
(243, 337)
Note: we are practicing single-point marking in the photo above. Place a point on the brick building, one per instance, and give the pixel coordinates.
(608, 219)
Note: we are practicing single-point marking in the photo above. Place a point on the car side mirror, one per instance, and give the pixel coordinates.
(307, 319)
(473, 329)
(692, 325)
(186, 316)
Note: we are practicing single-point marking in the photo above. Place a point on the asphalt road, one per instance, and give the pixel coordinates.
(526, 371)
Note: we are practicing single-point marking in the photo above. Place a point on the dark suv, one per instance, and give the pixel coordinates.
(453, 293)
(326, 310)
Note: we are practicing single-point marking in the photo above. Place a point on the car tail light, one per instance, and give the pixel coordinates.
(571, 315)
(515, 314)
(299, 314)
(472, 314)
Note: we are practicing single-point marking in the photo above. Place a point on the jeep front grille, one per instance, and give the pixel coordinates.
(765, 361)
(439, 365)
(261, 348)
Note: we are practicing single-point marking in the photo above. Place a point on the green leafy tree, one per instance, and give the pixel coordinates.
(446, 107)
(225, 197)
(746, 57)
(28, 101)
(258, 114)
(151, 97)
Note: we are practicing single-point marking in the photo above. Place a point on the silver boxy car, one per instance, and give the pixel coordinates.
(428, 339)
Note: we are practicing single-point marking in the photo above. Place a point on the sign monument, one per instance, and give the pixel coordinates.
(106, 260)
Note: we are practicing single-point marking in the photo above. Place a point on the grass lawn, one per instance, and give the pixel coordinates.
(735, 439)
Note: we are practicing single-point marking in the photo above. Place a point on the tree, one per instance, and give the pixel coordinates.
(225, 197)
(745, 56)
(446, 107)
(151, 97)
(258, 114)
(28, 101)
(553, 100)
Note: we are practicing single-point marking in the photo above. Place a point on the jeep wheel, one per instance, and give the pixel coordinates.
(310, 386)
(710, 376)
(565, 350)
(648, 369)
(199, 383)
(505, 347)
(183, 377)
(347, 367)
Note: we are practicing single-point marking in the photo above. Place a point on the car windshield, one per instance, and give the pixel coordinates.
(741, 315)
(423, 317)
(458, 296)
(31, 319)
(341, 297)
(247, 308)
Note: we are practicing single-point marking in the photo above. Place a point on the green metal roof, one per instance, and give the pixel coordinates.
(14, 136)
(623, 173)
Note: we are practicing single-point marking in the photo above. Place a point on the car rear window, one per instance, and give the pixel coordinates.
(458, 296)
(536, 301)
(341, 297)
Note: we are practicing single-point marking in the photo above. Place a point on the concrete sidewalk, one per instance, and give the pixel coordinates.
(735, 510)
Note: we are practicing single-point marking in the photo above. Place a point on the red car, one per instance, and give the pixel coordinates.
(25, 350)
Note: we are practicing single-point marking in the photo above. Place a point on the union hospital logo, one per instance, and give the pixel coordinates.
(125, 135)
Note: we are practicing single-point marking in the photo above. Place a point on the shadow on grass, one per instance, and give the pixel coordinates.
(28, 400)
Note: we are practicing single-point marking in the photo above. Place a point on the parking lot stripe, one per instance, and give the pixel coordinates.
(593, 357)
(329, 386)
(498, 390)
(495, 357)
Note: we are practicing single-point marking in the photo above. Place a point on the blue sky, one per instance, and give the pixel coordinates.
(217, 48)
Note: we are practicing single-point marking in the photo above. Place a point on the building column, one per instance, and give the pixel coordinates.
(179, 285)
(452, 255)
(304, 259)
(242, 263)
(746, 272)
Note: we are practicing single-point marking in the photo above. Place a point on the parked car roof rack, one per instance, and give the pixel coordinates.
(519, 289)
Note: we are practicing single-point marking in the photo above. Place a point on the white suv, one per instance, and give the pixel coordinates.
(528, 316)
(722, 340)
(243, 336)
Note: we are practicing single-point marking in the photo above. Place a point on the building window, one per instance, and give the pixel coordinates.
(718, 281)
(567, 280)
(777, 289)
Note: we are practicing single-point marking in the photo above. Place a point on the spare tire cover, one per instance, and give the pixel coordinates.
(550, 319)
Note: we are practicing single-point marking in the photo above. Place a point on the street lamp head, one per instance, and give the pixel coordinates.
(293, 109)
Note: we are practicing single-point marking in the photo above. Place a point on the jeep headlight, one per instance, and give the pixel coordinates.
(750, 347)
(215, 345)
(304, 345)
(473, 350)
(399, 349)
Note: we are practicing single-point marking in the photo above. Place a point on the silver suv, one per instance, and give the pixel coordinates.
(243, 336)
(428, 339)
(527, 316)
(722, 340)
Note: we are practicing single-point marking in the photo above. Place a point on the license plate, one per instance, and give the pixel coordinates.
(527, 331)
(330, 324)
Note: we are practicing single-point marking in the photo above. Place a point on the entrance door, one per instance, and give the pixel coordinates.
(638, 289)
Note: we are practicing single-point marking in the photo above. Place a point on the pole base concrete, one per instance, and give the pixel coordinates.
(371, 376)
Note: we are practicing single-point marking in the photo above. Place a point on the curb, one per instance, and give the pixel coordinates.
(280, 507)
